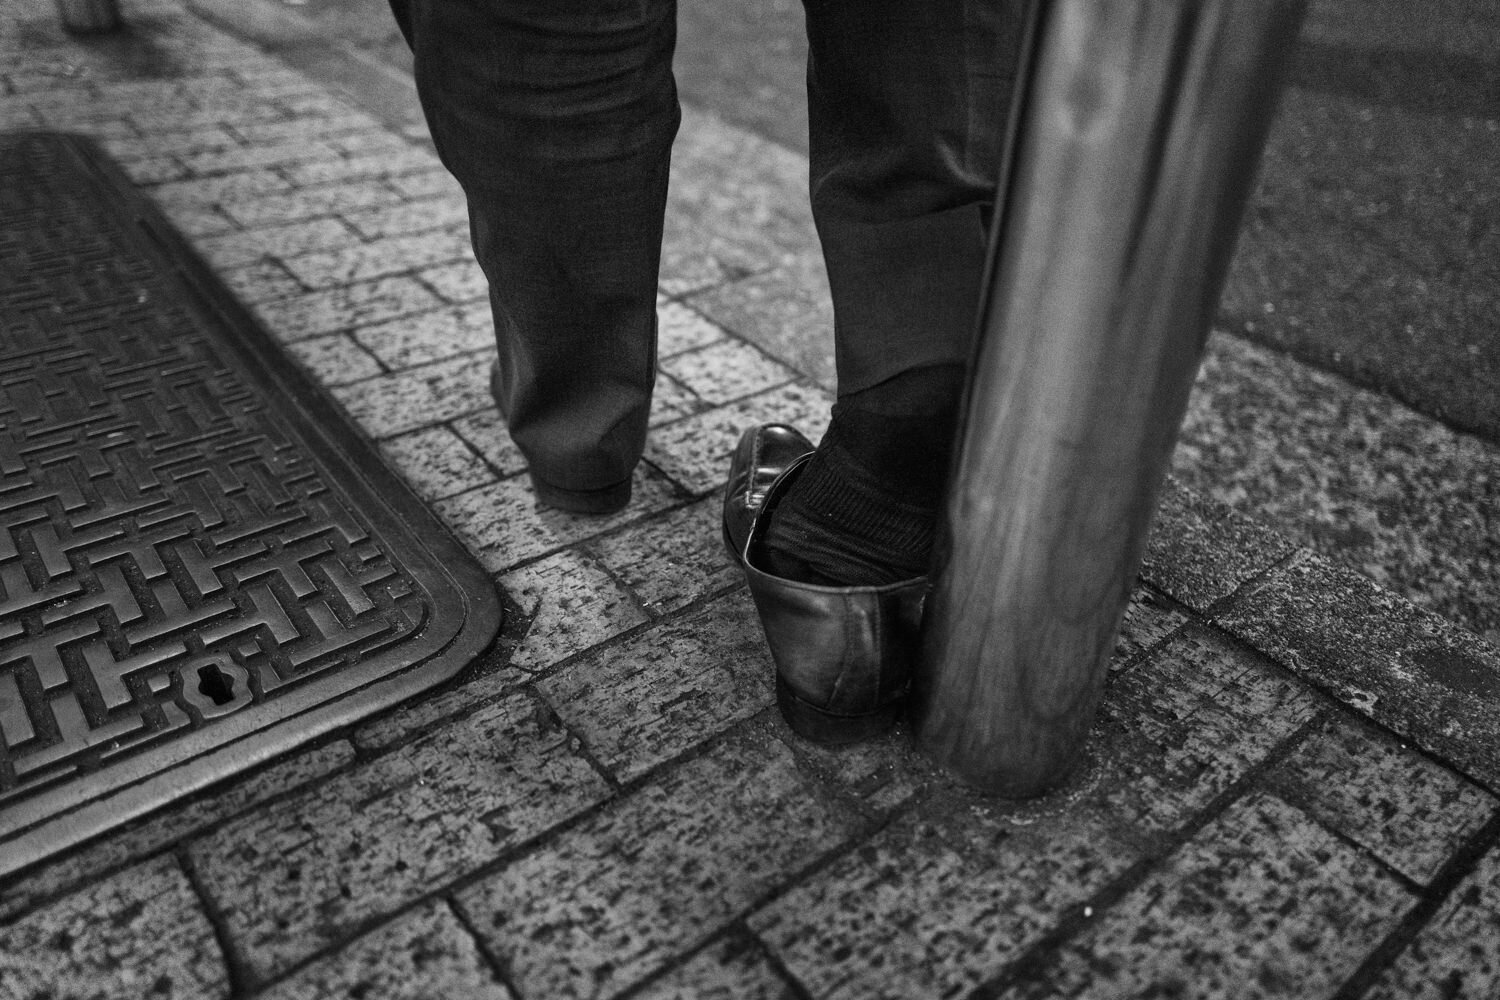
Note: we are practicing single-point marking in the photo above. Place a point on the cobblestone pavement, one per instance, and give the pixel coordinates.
(1291, 788)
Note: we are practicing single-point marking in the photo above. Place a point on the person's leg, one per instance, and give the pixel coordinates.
(557, 118)
(907, 105)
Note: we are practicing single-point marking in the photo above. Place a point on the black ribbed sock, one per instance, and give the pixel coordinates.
(864, 510)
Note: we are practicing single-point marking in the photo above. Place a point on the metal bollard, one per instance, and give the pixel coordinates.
(89, 17)
(1136, 141)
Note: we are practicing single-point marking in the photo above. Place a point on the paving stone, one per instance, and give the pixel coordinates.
(680, 328)
(140, 933)
(935, 906)
(1406, 809)
(278, 241)
(671, 400)
(418, 397)
(422, 954)
(299, 155)
(1179, 728)
(199, 220)
(504, 526)
(1457, 955)
(157, 170)
(573, 605)
(227, 190)
(410, 217)
(613, 899)
(260, 282)
(643, 701)
(337, 309)
(289, 206)
(436, 462)
(786, 312)
(726, 371)
(335, 360)
(1147, 622)
(125, 144)
(315, 127)
(1199, 551)
(427, 184)
(883, 773)
(301, 874)
(671, 561)
(1261, 903)
(733, 969)
(69, 870)
(430, 336)
(486, 433)
(1409, 670)
(363, 261)
(458, 282)
(695, 451)
(356, 168)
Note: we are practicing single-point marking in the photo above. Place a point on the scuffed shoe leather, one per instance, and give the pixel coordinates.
(844, 655)
(763, 454)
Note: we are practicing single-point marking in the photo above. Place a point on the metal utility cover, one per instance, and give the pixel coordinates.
(202, 563)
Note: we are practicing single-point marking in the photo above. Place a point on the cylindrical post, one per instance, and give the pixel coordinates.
(1139, 130)
(89, 17)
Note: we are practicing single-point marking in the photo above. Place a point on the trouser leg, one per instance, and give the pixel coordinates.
(907, 106)
(557, 118)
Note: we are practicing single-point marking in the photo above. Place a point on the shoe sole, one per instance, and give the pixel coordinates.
(817, 726)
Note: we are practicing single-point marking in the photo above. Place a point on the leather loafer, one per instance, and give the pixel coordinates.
(763, 454)
(844, 655)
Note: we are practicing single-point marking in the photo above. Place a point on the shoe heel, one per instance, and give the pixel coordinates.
(817, 726)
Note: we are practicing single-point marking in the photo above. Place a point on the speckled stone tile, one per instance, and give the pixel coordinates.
(1410, 670)
(297, 876)
(70, 870)
(385, 407)
(1199, 551)
(1261, 903)
(392, 255)
(486, 433)
(430, 336)
(223, 191)
(139, 933)
(409, 217)
(671, 561)
(1354, 475)
(357, 168)
(733, 969)
(1148, 620)
(1405, 808)
(1457, 954)
(671, 400)
(287, 206)
(937, 903)
(459, 282)
(436, 462)
(420, 955)
(1180, 727)
(279, 241)
(337, 309)
(644, 701)
(726, 371)
(618, 896)
(883, 773)
(786, 312)
(335, 359)
(503, 525)
(426, 184)
(680, 328)
(260, 282)
(695, 451)
(573, 604)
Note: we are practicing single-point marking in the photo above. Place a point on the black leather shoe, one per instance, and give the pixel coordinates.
(844, 655)
(763, 454)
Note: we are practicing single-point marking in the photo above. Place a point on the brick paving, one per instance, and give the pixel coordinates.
(1290, 791)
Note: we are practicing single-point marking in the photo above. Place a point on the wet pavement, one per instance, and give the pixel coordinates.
(1290, 791)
